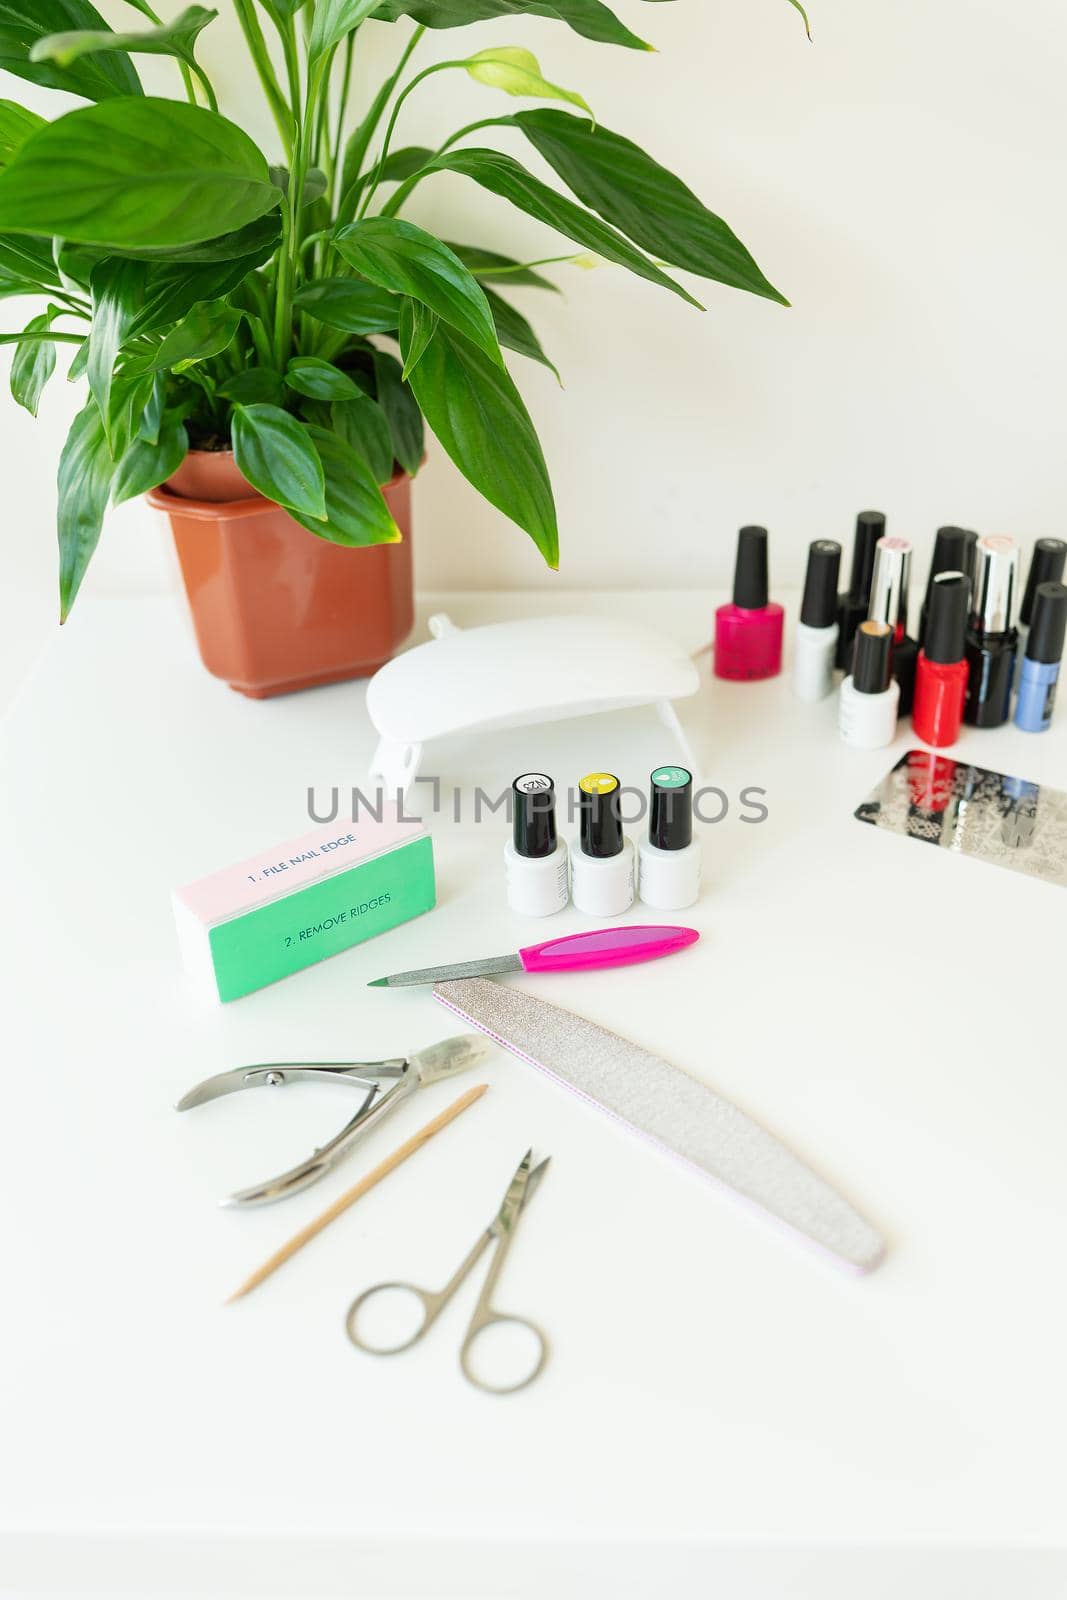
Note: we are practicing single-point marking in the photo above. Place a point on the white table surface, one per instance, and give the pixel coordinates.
(724, 1412)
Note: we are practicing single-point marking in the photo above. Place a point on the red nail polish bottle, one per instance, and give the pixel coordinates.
(941, 675)
(748, 632)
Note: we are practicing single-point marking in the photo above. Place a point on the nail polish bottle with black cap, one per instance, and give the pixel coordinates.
(853, 604)
(867, 709)
(669, 859)
(953, 552)
(941, 678)
(815, 646)
(1041, 665)
(535, 862)
(991, 637)
(1046, 566)
(748, 631)
(602, 856)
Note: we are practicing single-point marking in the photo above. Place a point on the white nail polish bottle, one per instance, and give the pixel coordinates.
(815, 645)
(870, 696)
(535, 863)
(602, 857)
(669, 859)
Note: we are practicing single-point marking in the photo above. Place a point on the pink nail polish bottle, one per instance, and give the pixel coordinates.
(748, 631)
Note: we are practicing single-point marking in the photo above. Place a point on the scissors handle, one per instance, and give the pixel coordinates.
(431, 1308)
(485, 1318)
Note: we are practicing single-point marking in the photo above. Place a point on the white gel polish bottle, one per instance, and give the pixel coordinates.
(870, 695)
(669, 859)
(815, 646)
(602, 857)
(535, 863)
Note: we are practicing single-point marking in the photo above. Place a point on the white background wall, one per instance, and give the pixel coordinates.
(900, 179)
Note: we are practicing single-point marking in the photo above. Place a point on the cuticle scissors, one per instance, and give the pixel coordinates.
(500, 1232)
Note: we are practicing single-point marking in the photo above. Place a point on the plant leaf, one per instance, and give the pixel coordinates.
(320, 380)
(348, 305)
(515, 333)
(257, 386)
(505, 177)
(23, 257)
(518, 72)
(417, 324)
(315, 184)
(401, 412)
(803, 16)
(16, 125)
(24, 22)
(356, 513)
(258, 238)
(364, 425)
(590, 18)
(278, 457)
(146, 465)
(136, 172)
(208, 329)
(404, 259)
(642, 199)
(333, 20)
(175, 38)
(85, 473)
(117, 289)
(476, 412)
(33, 364)
(488, 266)
(172, 292)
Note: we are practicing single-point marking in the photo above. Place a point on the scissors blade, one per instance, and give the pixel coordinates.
(519, 1190)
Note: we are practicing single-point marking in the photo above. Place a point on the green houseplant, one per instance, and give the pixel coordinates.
(289, 311)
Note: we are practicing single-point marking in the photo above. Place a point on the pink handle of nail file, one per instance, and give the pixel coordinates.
(606, 947)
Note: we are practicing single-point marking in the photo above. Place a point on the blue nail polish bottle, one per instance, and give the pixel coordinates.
(1041, 664)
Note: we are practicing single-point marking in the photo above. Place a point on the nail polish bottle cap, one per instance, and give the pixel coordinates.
(600, 825)
(946, 624)
(1049, 627)
(996, 585)
(750, 572)
(870, 526)
(670, 823)
(870, 663)
(889, 586)
(818, 609)
(1046, 566)
(953, 552)
(534, 814)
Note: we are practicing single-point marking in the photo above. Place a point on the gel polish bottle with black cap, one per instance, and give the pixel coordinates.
(535, 862)
(748, 631)
(1046, 566)
(669, 859)
(867, 709)
(853, 605)
(991, 637)
(815, 647)
(1041, 665)
(602, 857)
(953, 552)
(889, 604)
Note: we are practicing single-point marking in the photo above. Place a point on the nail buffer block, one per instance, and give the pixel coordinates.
(672, 1109)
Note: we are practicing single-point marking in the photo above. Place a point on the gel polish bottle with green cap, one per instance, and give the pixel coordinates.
(669, 859)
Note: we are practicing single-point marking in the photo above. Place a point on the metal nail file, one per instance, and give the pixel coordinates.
(573, 952)
(672, 1109)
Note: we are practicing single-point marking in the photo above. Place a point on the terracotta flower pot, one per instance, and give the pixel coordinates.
(274, 607)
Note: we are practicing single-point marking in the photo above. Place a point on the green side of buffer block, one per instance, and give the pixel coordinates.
(323, 919)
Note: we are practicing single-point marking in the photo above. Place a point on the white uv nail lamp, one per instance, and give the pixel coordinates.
(512, 674)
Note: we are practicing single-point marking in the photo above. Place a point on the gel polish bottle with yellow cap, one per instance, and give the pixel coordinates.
(602, 856)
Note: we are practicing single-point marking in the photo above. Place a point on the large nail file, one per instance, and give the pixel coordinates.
(675, 1111)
